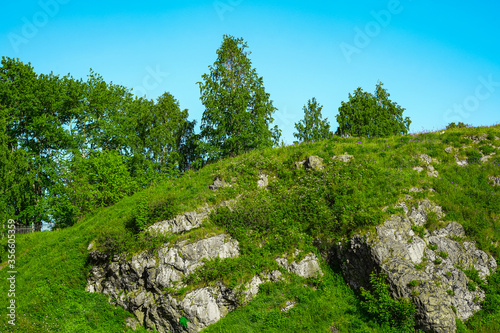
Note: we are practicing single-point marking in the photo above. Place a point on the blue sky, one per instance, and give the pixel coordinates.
(440, 61)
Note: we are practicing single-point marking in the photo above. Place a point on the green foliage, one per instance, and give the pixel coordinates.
(238, 111)
(413, 283)
(398, 314)
(183, 321)
(471, 285)
(432, 246)
(371, 115)
(473, 156)
(419, 230)
(459, 125)
(312, 127)
(487, 149)
(442, 254)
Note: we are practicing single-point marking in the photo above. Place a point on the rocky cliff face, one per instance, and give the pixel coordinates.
(425, 267)
(144, 283)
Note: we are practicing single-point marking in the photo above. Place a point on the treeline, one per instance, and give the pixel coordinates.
(69, 146)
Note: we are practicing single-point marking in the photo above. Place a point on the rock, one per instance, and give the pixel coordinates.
(460, 162)
(495, 180)
(415, 189)
(288, 305)
(477, 139)
(314, 163)
(187, 221)
(307, 267)
(311, 162)
(132, 323)
(343, 158)
(418, 169)
(183, 258)
(218, 183)
(431, 172)
(449, 150)
(139, 284)
(333, 329)
(405, 256)
(427, 159)
(180, 223)
(263, 181)
(486, 158)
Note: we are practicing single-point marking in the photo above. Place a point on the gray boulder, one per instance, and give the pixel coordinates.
(442, 294)
(307, 267)
(311, 162)
(344, 157)
(143, 284)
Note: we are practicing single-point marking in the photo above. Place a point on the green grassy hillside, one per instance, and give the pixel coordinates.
(301, 209)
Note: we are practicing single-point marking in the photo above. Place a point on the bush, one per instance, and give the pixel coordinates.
(459, 125)
(487, 149)
(473, 156)
(399, 314)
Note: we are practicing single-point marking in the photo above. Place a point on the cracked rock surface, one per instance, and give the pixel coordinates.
(406, 256)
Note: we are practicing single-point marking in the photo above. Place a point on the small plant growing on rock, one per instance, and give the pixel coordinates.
(442, 254)
(413, 283)
(419, 230)
(450, 292)
(472, 286)
(433, 247)
(448, 273)
(437, 261)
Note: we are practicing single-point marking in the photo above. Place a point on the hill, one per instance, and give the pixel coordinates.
(273, 202)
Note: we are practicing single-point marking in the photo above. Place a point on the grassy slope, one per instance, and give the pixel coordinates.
(300, 210)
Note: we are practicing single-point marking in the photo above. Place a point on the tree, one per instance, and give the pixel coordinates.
(238, 111)
(371, 115)
(34, 114)
(312, 127)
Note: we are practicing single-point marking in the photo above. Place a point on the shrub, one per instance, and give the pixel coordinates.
(459, 125)
(487, 149)
(399, 314)
(473, 156)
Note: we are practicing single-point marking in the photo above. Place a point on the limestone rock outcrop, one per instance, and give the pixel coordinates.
(307, 267)
(311, 162)
(435, 261)
(142, 283)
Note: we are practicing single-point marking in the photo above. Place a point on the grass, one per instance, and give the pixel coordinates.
(307, 210)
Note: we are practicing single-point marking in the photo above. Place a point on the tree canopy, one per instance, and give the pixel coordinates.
(371, 115)
(68, 146)
(312, 127)
(238, 111)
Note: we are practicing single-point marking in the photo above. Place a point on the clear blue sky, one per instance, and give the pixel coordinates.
(440, 61)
